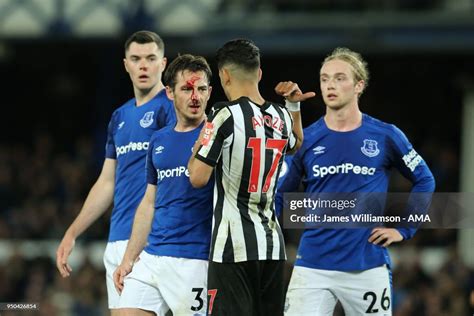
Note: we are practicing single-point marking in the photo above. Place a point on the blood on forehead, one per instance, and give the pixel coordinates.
(192, 81)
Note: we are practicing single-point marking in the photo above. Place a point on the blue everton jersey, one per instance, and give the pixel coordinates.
(183, 215)
(355, 161)
(128, 137)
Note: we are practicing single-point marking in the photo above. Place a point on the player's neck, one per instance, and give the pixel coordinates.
(344, 119)
(184, 125)
(143, 96)
(249, 91)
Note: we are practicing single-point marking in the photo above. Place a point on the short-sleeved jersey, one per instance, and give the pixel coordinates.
(183, 215)
(347, 162)
(246, 143)
(128, 137)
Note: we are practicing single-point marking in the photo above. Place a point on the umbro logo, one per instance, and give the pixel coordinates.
(319, 150)
(159, 150)
(121, 125)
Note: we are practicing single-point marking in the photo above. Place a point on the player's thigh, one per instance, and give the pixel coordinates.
(272, 291)
(366, 292)
(140, 291)
(309, 293)
(115, 312)
(112, 257)
(183, 284)
(230, 290)
(134, 312)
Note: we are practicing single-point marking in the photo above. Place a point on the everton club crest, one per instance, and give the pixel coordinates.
(370, 148)
(147, 119)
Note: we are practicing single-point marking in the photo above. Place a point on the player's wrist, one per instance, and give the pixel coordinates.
(292, 106)
(70, 236)
(127, 261)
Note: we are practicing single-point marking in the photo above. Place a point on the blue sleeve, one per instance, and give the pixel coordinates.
(170, 115)
(290, 180)
(412, 166)
(167, 115)
(110, 144)
(151, 173)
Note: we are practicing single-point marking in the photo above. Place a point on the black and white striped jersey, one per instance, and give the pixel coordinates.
(246, 143)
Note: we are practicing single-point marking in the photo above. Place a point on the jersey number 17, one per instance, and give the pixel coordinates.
(255, 144)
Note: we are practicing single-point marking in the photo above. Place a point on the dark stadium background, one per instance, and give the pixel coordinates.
(59, 89)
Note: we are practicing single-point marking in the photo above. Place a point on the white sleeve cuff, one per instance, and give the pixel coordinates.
(292, 106)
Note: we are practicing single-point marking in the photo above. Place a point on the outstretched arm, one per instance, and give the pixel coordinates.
(98, 200)
(293, 96)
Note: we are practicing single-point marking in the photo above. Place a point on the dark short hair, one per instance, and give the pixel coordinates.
(242, 53)
(145, 37)
(186, 62)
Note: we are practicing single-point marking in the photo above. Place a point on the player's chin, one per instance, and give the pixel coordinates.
(194, 115)
(333, 104)
(197, 115)
(195, 110)
(144, 85)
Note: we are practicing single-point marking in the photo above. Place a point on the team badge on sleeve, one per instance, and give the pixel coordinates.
(208, 131)
(370, 148)
(412, 159)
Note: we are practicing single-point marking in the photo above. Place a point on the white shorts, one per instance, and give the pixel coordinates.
(159, 284)
(112, 258)
(314, 292)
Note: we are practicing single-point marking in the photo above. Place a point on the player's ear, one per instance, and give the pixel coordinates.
(163, 62)
(224, 75)
(209, 90)
(359, 87)
(169, 93)
(260, 72)
(125, 64)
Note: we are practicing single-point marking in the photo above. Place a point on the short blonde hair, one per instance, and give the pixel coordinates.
(359, 65)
